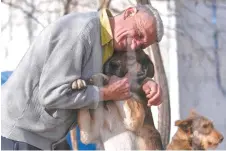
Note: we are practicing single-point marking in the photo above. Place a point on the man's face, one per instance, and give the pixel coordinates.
(138, 32)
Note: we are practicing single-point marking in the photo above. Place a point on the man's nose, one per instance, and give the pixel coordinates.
(134, 44)
(139, 45)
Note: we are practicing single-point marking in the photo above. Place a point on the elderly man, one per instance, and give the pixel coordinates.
(38, 106)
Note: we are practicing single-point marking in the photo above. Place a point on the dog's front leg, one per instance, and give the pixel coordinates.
(86, 124)
(90, 122)
(132, 110)
(90, 125)
(148, 138)
(132, 113)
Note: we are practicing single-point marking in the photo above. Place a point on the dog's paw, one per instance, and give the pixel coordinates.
(78, 84)
(85, 137)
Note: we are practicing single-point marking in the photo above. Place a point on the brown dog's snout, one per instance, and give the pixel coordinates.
(221, 138)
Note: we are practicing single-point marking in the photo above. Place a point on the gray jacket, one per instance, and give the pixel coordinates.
(37, 105)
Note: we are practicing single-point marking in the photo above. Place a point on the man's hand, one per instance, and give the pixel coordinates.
(117, 89)
(153, 92)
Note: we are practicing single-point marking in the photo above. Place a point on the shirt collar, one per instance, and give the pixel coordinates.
(106, 33)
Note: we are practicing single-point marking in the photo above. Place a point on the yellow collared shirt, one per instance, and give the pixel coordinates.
(106, 34)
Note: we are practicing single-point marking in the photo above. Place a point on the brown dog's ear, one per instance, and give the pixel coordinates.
(185, 125)
(193, 113)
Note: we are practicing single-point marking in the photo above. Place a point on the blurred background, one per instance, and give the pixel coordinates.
(193, 48)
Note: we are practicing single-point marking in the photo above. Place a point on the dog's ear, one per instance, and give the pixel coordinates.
(185, 125)
(193, 113)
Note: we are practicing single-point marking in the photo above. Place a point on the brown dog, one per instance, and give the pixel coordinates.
(195, 133)
(131, 115)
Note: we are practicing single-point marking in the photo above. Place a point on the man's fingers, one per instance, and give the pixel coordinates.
(155, 99)
(123, 87)
(152, 91)
(146, 88)
(125, 95)
(150, 86)
(151, 94)
(124, 81)
(124, 90)
(156, 102)
(159, 101)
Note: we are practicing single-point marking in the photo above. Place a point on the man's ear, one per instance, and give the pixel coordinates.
(185, 125)
(131, 11)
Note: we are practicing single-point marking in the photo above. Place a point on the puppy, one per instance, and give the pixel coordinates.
(132, 114)
(195, 133)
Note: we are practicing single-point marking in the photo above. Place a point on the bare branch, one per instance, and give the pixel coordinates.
(24, 11)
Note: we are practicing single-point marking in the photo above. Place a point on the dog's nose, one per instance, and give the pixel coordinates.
(221, 139)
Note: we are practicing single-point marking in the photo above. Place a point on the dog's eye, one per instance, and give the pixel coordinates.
(205, 125)
(115, 63)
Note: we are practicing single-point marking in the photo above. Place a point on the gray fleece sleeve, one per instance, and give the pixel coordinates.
(63, 66)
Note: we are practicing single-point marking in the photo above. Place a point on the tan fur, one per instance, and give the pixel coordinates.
(132, 113)
(180, 141)
(148, 138)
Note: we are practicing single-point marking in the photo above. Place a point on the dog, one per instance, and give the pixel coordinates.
(195, 133)
(131, 114)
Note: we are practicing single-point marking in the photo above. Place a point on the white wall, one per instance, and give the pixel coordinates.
(199, 87)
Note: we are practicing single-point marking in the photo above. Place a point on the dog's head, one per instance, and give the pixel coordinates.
(201, 131)
(136, 62)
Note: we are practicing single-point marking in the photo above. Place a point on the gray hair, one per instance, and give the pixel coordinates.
(153, 12)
